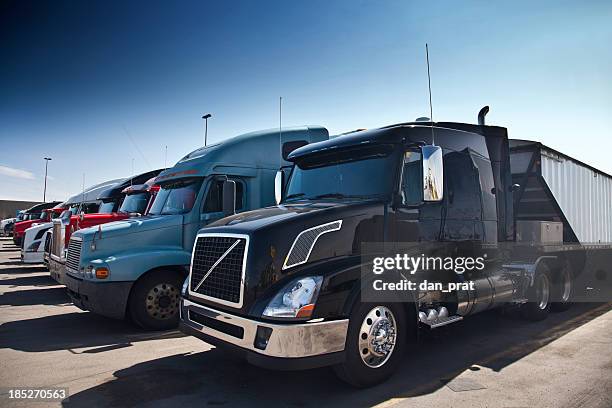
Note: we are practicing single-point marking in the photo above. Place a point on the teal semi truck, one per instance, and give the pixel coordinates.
(135, 268)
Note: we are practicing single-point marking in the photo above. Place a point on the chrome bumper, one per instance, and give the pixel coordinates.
(56, 270)
(273, 340)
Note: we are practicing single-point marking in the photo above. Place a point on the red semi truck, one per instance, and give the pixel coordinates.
(35, 215)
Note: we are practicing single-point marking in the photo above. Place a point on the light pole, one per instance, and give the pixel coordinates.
(47, 159)
(205, 117)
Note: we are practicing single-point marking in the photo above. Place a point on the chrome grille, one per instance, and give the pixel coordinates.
(48, 242)
(217, 268)
(73, 258)
(57, 246)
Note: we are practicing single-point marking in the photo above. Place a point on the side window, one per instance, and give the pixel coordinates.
(411, 178)
(214, 199)
(463, 187)
(89, 208)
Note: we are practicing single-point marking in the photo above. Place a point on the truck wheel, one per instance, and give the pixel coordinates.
(563, 290)
(375, 344)
(154, 302)
(539, 296)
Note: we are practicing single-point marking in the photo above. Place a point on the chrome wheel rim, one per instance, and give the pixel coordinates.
(567, 285)
(377, 336)
(162, 301)
(542, 291)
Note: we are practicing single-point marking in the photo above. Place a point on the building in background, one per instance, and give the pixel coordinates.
(9, 208)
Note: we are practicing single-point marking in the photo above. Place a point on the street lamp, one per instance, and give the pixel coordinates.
(47, 159)
(205, 117)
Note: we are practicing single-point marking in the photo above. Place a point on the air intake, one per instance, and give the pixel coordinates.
(305, 241)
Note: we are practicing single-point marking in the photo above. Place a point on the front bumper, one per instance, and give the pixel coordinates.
(32, 257)
(278, 346)
(103, 298)
(56, 270)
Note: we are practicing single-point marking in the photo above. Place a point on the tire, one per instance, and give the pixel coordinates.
(368, 319)
(538, 296)
(154, 301)
(563, 290)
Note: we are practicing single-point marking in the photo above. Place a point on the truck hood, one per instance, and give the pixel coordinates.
(40, 226)
(21, 226)
(91, 220)
(129, 226)
(273, 230)
(261, 218)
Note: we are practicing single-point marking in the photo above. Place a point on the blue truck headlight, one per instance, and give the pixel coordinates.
(185, 287)
(296, 300)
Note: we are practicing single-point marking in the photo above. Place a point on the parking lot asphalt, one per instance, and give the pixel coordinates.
(489, 360)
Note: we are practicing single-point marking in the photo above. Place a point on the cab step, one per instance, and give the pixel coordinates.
(437, 318)
(445, 320)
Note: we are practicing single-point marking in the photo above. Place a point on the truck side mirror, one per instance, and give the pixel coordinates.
(65, 216)
(279, 185)
(229, 197)
(433, 173)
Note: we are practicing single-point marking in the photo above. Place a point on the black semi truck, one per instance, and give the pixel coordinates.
(286, 285)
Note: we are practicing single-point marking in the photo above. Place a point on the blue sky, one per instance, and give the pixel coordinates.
(98, 86)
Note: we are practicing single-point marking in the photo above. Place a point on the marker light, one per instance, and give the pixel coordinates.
(102, 273)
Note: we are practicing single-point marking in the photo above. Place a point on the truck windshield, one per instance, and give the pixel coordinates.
(135, 203)
(176, 197)
(351, 173)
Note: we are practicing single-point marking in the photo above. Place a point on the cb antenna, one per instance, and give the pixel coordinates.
(280, 131)
(429, 86)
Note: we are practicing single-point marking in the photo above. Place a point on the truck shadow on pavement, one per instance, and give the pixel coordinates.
(69, 331)
(36, 280)
(215, 377)
(38, 296)
(14, 266)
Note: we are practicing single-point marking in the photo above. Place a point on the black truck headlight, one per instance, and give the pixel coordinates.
(296, 300)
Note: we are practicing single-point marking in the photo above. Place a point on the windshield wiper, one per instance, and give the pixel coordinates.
(296, 195)
(350, 196)
(330, 195)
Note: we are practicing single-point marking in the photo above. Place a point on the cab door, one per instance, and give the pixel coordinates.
(212, 207)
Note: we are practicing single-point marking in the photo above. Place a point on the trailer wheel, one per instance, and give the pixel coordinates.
(538, 296)
(563, 289)
(375, 343)
(154, 302)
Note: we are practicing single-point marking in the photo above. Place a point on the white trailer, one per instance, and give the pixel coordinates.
(557, 187)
